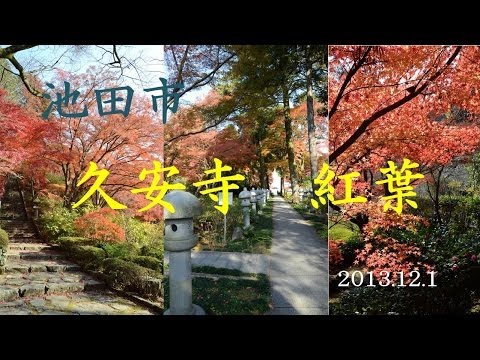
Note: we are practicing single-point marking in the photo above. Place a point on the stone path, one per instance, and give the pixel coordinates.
(298, 264)
(37, 279)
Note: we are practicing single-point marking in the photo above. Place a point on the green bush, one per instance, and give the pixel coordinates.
(67, 242)
(58, 222)
(90, 257)
(3, 239)
(123, 250)
(138, 232)
(210, 223)
(349, 247)
(461, 213)
(125, 275)
(154, 249)
(446, 299)
(148, 262)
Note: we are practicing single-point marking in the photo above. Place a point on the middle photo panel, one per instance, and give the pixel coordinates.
(244, 232)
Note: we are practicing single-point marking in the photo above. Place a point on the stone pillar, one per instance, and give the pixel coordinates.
(301, 193)
(35, 212)
(253, 200)
(259, 199)
(179, 240)
(264, 196)
(244, 196)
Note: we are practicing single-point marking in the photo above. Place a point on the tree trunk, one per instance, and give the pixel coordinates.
(312, 142)
(262, 169)
(288, 140)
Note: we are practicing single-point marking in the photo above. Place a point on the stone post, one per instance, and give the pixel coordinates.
(301, 192)
(259, 199)
(253, 200)
(179, 240)
(264, 196)
(244, 196)
(35, 212)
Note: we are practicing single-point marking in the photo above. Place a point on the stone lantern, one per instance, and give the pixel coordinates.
(244, 196)
(179, 240)
(264, 196)
(260, 196)
(253, 200)
(301, 193)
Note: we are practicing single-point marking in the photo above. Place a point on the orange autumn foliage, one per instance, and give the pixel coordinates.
(98, 225)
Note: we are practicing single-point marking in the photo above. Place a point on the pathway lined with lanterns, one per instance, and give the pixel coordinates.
(297, 266)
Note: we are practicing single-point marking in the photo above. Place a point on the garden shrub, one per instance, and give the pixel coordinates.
(3, 239)
(335, 258)
(139, 232)
(90, 257)
(58, 222)
(461, 213)
(98, 225)
(451, 299)
(123, 250)
(127, 276)
(148, 262)
(210, 223)
(67, 242)
(155, 249)
(350, 248)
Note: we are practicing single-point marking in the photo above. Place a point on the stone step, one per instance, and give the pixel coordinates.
(20, 225)
(28, 246)
(30, 240)
(40, 284)
(29, 266)
(16, 235)
(34, 255)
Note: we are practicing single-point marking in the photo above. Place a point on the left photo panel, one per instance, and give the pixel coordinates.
(81, 154)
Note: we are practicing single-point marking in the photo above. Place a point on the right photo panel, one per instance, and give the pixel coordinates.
(403, 180)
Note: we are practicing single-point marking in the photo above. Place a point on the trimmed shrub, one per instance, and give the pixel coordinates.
(90, 257)
(3, 239)
(67, 242)
(125, 275)
(154, 250)
(148, 262)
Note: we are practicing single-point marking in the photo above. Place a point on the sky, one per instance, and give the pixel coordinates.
(142, 64)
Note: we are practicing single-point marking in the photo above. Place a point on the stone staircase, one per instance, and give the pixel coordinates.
(37, 279)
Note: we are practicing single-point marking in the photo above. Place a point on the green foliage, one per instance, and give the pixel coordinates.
(58, 222)
(462, 213)
(119, 250)
(349, 249)
(342, 231)
(154, 249)
(209, 225)
(148, 262)
(3, 240)
(378, 300)
(90, 257)
(231, 296)
(54, 178)
(127, 276)
(139, 232)
(67, 242)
